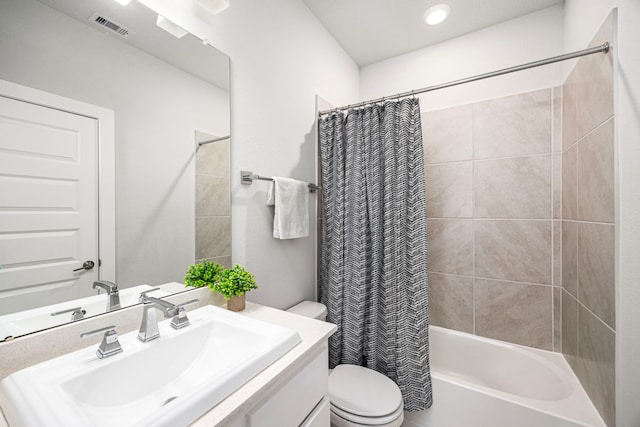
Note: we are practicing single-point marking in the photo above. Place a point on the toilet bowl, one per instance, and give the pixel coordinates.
(359, 396)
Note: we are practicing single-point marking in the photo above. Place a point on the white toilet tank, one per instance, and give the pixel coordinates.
(361, 405)
(312, 309)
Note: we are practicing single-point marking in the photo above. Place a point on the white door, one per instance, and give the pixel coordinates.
(48, 205)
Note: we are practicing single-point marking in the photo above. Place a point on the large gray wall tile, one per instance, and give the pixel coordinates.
(451, 301)
(516, 250)
(447, 134)
(595, 175)
(449, 246)
(514, 312)
(596, 363)
(225, 261)
(512, 126)
(213, 237)
(449, 189)
(570, 328)
(556, 117)
(557, 253)
(569, 118)
(212, 196)
(213, 158)
(518, 187)
(570, 183)
(596, 269)
(570, 257)
(594, 91)
(556, 178)
(557, 319)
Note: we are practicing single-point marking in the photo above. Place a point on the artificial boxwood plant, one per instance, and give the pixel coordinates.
(231, 282)
(204, 273)
(235, 282)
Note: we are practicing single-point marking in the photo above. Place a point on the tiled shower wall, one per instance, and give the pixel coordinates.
(213, 201)
(588, 226)
(521, 220)
(494, 207)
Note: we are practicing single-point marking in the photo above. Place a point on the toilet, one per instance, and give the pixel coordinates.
(359, 396)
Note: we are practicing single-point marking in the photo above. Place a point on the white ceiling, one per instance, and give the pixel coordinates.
(374, 30)
(187, 53)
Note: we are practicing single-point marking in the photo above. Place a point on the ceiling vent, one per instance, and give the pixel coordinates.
(104, 22)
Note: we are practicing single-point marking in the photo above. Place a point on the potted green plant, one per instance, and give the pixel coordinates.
(233, 284)
(204, 273)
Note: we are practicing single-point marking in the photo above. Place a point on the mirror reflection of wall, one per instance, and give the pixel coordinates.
(159, 95)
(213, 199)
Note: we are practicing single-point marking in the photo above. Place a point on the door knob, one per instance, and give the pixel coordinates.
(87, 265)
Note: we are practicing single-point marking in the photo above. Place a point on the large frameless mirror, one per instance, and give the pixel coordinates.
(167, 92)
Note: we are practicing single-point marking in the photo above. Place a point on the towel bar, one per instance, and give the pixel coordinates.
(247, 178)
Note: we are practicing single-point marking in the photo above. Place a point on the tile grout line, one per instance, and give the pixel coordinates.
(596, 316)
(213, 176)
(491, 279)
(453, 218)
(473, 215)
(552, 170)
(561, 153)
(595, 128)
(489, 159)
(577, 243)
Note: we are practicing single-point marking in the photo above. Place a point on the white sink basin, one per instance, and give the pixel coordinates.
(170, 381)
(24, 322)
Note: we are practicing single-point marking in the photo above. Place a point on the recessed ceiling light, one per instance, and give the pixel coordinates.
(436, 14)
(123, 2)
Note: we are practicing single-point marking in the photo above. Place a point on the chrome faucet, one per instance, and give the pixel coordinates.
(113, 303)
(109, 345)
(149, 326)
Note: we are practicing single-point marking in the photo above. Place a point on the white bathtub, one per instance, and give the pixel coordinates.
(480, 382)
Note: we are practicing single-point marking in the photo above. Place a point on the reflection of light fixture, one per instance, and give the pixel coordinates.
(170, 27)
(436, 14)
(123, 2)
(213, 6)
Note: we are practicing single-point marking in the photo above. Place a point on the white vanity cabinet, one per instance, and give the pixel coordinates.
(294, 402)
(320, 416)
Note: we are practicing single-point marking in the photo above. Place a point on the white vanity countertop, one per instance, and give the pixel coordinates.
(312, 332)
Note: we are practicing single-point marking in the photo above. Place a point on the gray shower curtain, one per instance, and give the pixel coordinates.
(373, 275)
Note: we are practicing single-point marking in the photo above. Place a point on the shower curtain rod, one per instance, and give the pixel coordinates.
(213, 140)
(604, 48)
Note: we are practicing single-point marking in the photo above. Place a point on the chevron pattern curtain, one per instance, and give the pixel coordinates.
(373, 270)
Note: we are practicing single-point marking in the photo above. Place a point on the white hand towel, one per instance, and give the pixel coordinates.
(291, 200)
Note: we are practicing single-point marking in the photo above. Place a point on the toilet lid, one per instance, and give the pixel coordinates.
(395, 418)
(363, 391)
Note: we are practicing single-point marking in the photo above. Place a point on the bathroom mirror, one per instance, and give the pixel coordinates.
(167, 94)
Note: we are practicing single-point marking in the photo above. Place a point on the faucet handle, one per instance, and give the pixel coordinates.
(109, 345)
(180, 320)
(143, 295)
(77, 313)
